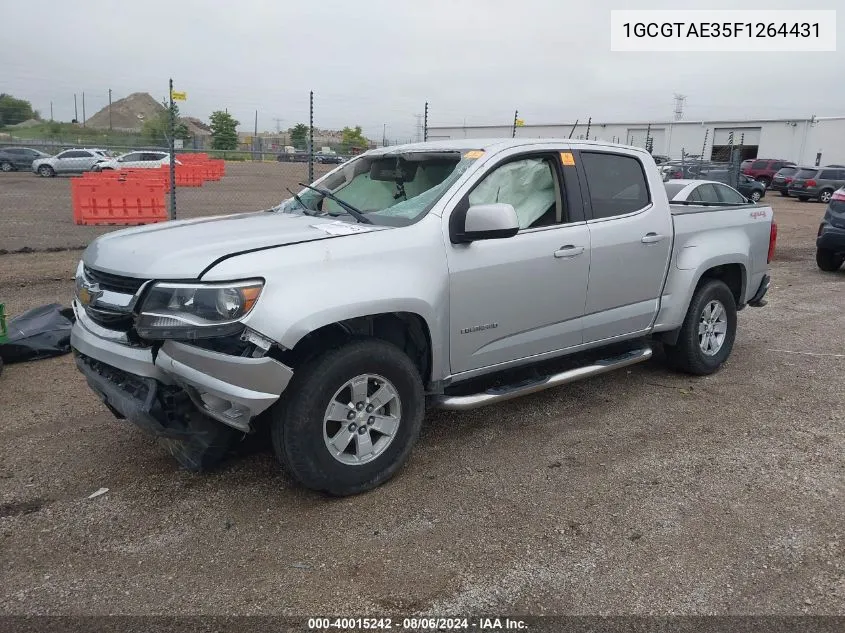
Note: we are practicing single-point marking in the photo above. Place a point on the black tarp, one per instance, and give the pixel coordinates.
(42, 332)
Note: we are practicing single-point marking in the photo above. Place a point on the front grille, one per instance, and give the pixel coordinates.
(114, 283)
(110, 319)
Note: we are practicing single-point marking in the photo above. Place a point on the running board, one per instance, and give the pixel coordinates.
(507, 392)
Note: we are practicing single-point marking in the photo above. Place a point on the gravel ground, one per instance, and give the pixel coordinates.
(640, 492)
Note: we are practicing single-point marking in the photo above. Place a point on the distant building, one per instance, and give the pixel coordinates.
(797, 139)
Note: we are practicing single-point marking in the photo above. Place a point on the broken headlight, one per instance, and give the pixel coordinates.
(195, 310)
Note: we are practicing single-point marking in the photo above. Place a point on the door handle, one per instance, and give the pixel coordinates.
(651, 238)
(570, 250)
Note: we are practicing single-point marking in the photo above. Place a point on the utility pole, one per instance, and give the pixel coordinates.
(679, 106)
(110, 110)
(51, 112)
(589, 121)
(311, 137)
(515, 119)
(172, 146)
(83, 109)
(384, 135)
(278, 125)
(75, 111)
(425, 124)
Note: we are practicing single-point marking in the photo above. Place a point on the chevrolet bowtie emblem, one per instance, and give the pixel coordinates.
(88, 294)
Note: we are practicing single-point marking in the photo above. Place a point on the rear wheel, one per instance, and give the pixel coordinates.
(708, 332)
(46, 171)
(349, 418)
(6, 166)
(825, 196)
(828, 260)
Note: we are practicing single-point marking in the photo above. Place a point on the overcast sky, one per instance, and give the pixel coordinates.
(376, 62)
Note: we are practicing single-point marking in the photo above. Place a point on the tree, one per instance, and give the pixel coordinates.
(224, 132)
(299, 135)
(352, 137)
(14, 110)
(158, 127)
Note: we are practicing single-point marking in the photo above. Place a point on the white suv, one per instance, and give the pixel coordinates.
(134, 160)
(70, 161)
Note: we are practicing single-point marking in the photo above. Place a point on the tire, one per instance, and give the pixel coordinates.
(828, 261)
(688, 354)
(755, 196)
(207, 448)
(45, 171)
(825, 196)
(6, 167)
(302, 429)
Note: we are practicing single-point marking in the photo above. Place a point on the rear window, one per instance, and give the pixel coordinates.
(806, 173)
(673, 189)
(759, 164)
(787, 171)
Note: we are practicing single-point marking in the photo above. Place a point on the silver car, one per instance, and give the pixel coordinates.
(70, 161)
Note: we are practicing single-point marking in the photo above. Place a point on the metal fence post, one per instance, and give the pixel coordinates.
(172, 146)
(425, 123)
(515, 119)
(311, 137)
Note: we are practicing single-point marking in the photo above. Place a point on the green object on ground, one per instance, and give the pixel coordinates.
(2, 323)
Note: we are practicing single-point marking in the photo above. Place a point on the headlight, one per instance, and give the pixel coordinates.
(191, 311)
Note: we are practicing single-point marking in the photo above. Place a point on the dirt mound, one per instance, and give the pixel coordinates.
(195, 126)
(127, 114)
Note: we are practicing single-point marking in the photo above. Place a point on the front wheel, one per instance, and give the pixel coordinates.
(828, 261)
(45, 171)
(6, 167)
(349, 418)
(755, 196)
(708, 332)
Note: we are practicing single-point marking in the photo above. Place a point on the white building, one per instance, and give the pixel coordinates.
(798, 140)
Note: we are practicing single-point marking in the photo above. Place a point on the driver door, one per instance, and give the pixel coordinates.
(522, 296)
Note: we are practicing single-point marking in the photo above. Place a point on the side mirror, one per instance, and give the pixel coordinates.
(483, 222)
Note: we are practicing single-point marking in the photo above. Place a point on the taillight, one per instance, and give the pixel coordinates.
(773, 238)
(810, 183)
(839, 195)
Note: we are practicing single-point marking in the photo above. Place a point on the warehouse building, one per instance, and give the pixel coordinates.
(807, 141)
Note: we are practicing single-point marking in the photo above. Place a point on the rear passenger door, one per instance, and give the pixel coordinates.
(630, 244)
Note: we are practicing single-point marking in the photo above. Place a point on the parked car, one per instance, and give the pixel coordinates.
(14, 158)
(194, 330)
(707, 191)
(135, 160)
(70, 161)
(817, 183)
(751, 189)
(764, 169)
(328, 159)
(299, 156)
(830, 242)
(782, 179)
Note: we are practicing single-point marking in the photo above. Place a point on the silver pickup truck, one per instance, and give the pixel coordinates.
(452, 274)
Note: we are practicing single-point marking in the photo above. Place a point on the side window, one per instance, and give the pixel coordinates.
(530, 185)
(759, 164)
(617, 183)
(705, 193)
(75, 154)
(67, 154)
(130, 158)
(828, 174)
(153, 156)
(729, 195)
(777, 165)
(841, 175)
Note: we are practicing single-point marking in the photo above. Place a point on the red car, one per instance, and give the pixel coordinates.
(764, 169)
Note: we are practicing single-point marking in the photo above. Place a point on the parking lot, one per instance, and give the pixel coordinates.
(639, 492)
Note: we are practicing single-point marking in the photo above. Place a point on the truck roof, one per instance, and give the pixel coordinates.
(491, 144)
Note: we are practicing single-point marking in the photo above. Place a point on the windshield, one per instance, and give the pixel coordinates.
(393, 189)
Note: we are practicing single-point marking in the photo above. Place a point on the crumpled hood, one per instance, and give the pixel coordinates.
(183, 249)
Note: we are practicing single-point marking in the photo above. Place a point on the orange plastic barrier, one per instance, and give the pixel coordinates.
(109, 200)
(190, 175)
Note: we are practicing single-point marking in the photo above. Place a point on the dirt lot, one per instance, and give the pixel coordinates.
(37, 213)
(639, 492)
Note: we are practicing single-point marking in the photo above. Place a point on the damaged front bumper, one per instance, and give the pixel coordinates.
(140, 385)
